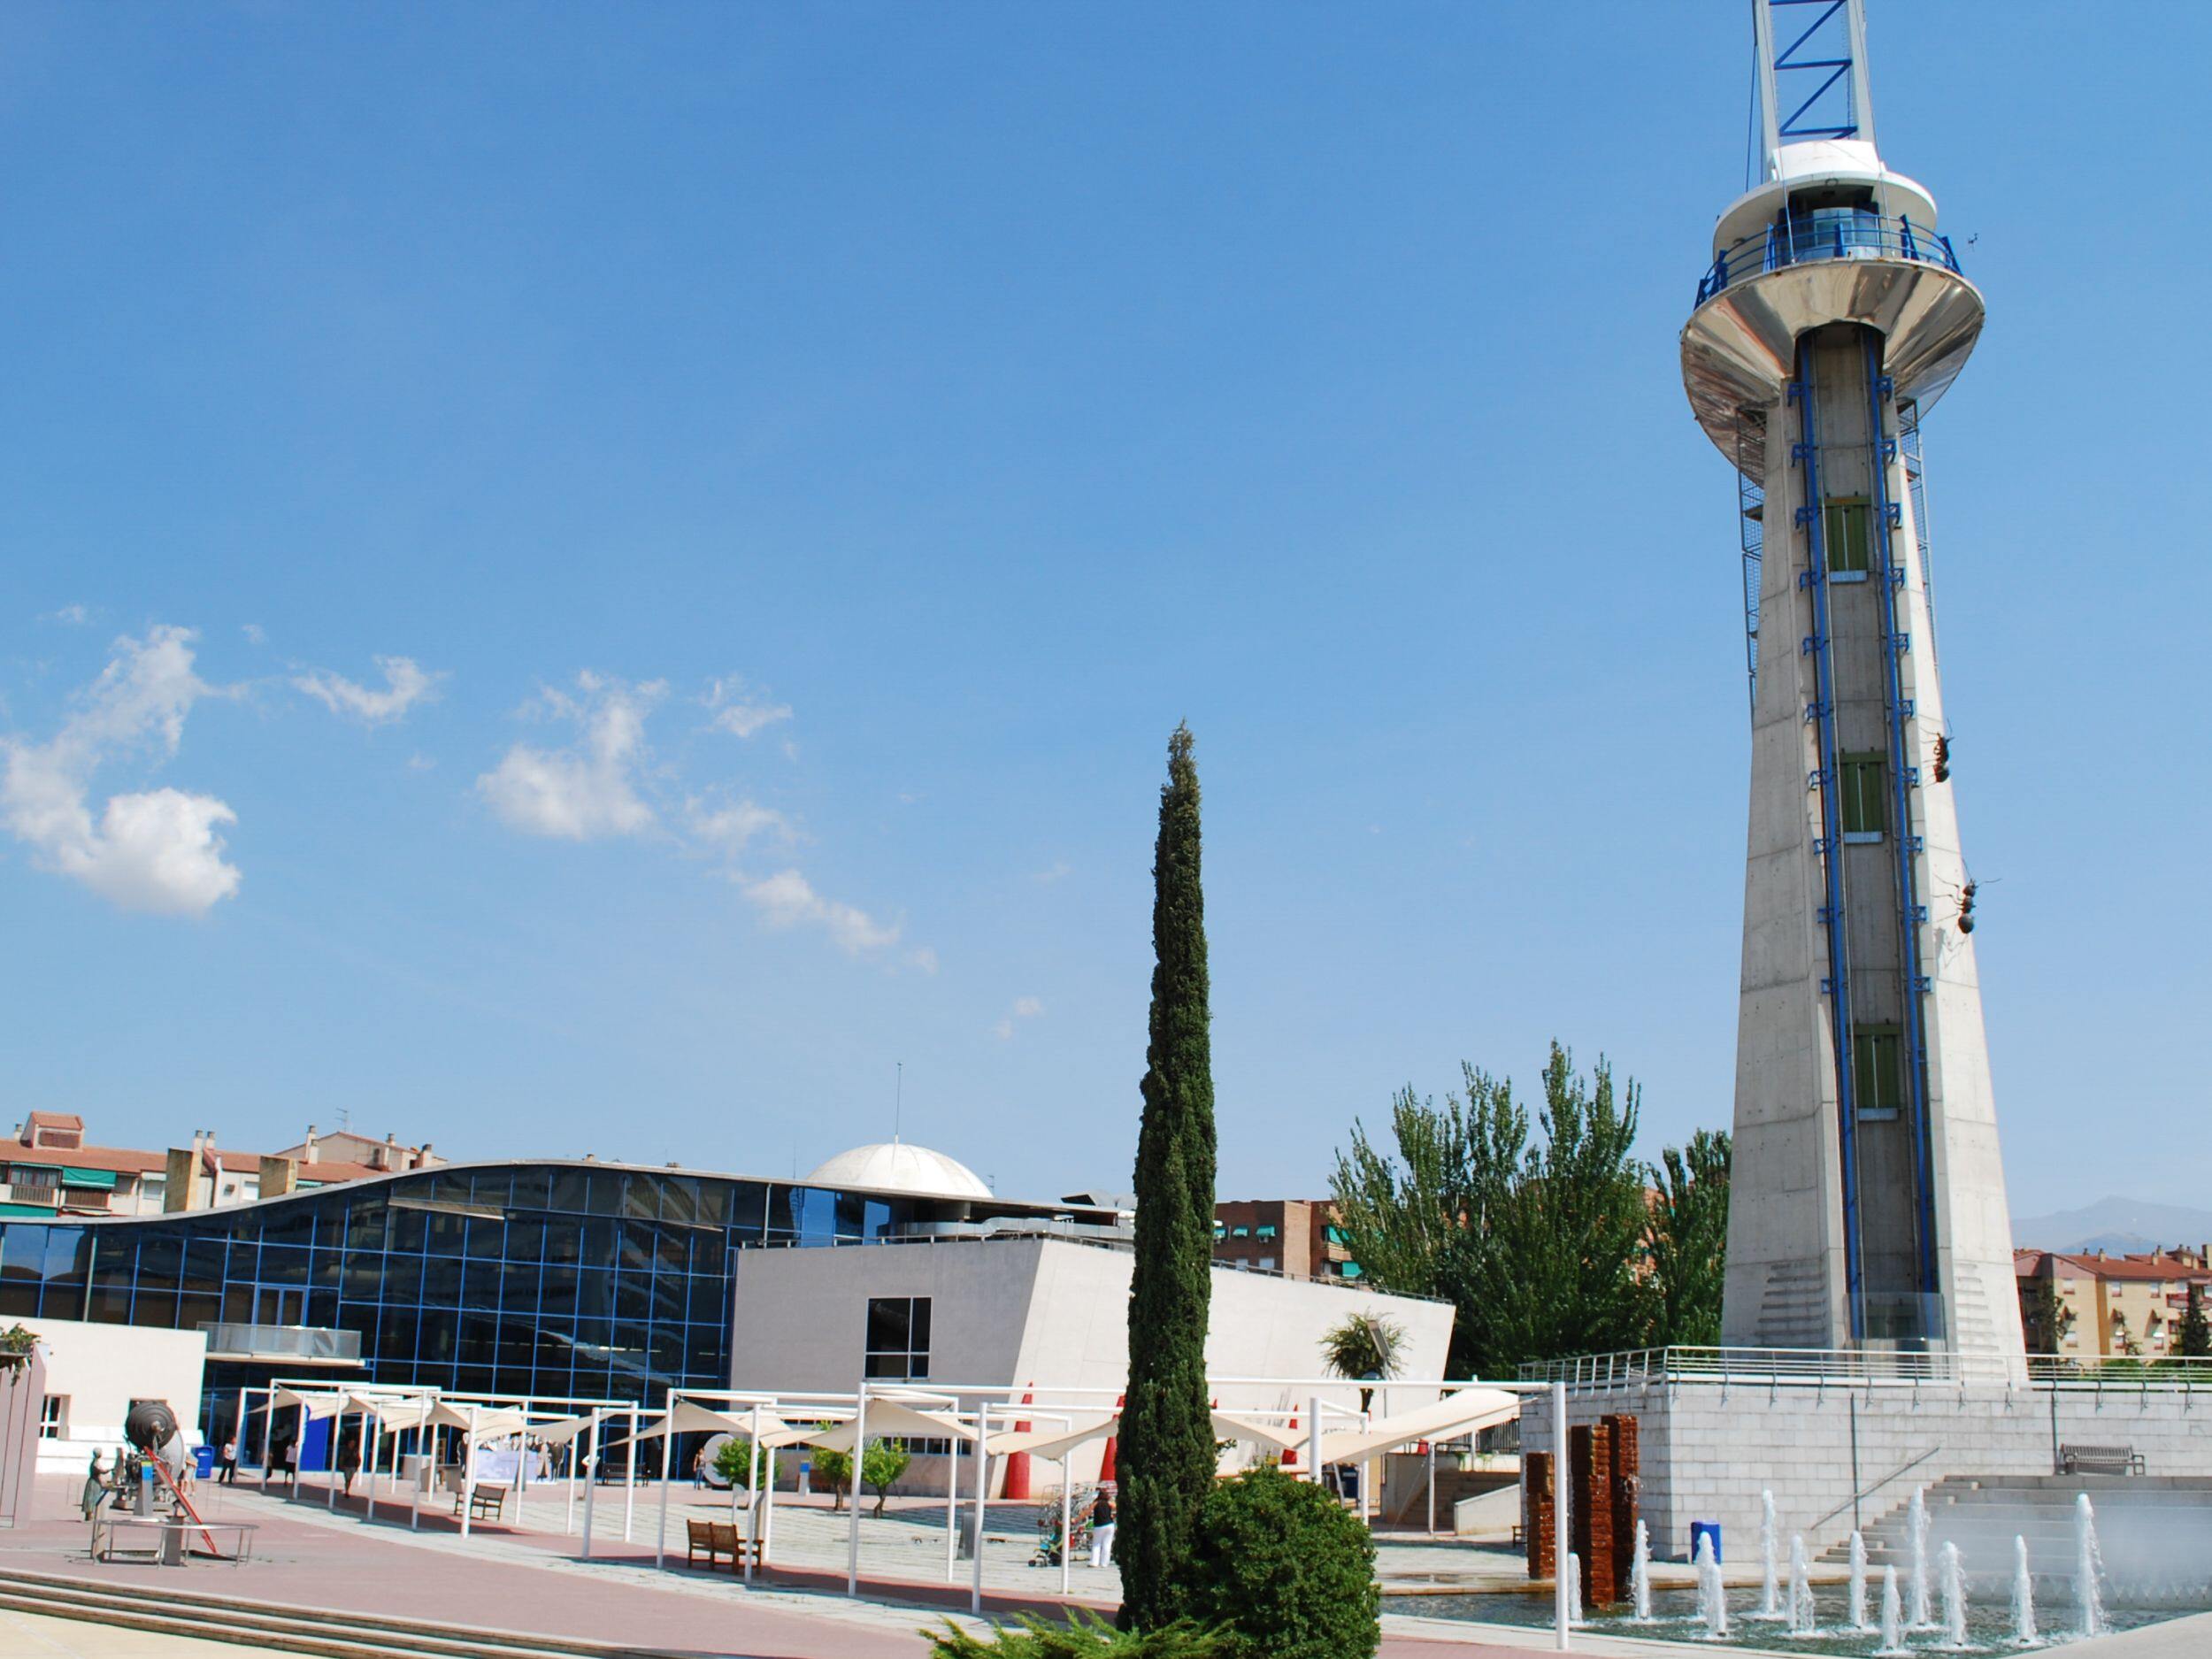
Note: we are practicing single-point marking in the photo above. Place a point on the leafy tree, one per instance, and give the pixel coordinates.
(734, 1462)
(1685, 1241)
(2194, 1338)
(2045, 1320)
(1167, 1459)
(882, 1465)
(833, 1469)
(1286, 1569)
(1534, 1242)
(1085, 1636)
(1364, 1345)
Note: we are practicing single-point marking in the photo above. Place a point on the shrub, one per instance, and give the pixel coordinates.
(1286, 1569)
(1085, 1636)
(734, 1462)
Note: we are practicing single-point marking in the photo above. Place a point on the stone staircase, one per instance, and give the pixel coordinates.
(2154, 1532)
(334, 1635)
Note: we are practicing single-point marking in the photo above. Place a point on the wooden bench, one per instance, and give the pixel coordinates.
(2100, 1459)
(716, 1539)
(485, 1503)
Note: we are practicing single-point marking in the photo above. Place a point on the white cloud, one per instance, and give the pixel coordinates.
(74, 616)
(422, 763)
(157, 850)
(405, 681)
(787, 899)
(587, 790)
(1059, 871)
(254, 632)
(734, 827)
(1025, 1008)
(741, 712)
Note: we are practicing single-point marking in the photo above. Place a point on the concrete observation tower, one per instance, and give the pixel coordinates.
(1868, 1207)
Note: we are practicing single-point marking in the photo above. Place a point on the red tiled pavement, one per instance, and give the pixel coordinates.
(306, 1563)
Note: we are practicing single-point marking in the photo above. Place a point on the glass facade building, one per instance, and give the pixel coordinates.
(553, 1279)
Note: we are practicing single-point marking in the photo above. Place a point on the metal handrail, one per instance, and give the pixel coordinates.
(1819, 1366)
(1804, 239)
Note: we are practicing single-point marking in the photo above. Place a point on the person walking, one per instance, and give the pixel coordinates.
(229, 1477)
(699, 1468)
(1101, 1529)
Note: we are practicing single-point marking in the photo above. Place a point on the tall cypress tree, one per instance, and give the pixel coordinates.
(1167, 1443)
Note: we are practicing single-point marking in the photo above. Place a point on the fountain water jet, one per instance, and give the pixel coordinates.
(1917, 1525)
(1639, 1576)
(1892, 1616)
(2022, 1595)
(1769, 1596)
(2088, 1568)
(1858, 1582)
(1574, 1569)
(1954, 1598)
(1803, 1620)
(1712, 1595)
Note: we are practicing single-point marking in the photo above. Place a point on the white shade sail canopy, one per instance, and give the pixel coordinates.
(1455, 1414)
(888, 1417)
(689, 1418)
(1054, 1440)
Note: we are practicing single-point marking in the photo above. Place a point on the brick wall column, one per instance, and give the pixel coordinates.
(1590, 1470)
(1536, 1512)
(1627, 1484)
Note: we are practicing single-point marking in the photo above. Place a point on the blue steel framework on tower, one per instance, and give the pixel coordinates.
(555, 1280)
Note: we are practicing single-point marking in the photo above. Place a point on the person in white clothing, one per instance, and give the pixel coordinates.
(1102, 1529)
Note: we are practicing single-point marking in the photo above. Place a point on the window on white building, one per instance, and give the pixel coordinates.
(53, 1419)
(898, 1337)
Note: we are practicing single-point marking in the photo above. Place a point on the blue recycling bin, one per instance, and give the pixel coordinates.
(203, 1462)
(1705, 1529)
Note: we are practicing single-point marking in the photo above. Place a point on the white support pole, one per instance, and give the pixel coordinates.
(982, 1497)
(468, 1473)
(1559, 1533)
(1313, 1442)
(1067, 1535)
(522, 1464)
(1432, 1488)
(368, 1467)
(591, 1479)
(952, 1509)
(299, 1453)
(752, 1494)
(568, 1483)
(414, 1484)
(768, 1511)
(668, 1450)
(629, 1478)
(860, 1450)
(331, 1459)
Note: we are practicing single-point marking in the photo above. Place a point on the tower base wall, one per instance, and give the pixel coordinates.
(1709, 1447)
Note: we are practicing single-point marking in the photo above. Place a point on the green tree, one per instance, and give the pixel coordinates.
(835, 1469)
(1167, 1458)
(1685, 1241)
(1083, 1636)
(1534, 1243)
(2194, 1338)
(1286, 1569)
(882, 1465)
(1364, 1345)
(733, 1461)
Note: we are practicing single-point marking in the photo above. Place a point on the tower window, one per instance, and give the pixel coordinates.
(1850, 542)
(1878, 1071)
(1865, 779)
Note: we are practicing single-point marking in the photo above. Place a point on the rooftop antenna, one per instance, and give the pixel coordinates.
(898, 1102)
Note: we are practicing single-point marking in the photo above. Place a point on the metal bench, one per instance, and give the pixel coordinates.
(2100, 1459)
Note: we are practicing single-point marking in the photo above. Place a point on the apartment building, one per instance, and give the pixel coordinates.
(2092, 1305)
(1296, 1236)
(50, 1170)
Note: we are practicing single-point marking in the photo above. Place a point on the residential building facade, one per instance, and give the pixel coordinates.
(2092, 1305)
(1296, 1237)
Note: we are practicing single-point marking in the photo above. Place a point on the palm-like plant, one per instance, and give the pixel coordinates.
(1365, 1345)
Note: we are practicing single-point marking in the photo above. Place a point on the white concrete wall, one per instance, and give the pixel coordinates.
(100, 1368)
(1048, 1314)
(1707, 1450)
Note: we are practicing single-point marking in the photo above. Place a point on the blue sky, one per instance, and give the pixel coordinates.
(666, 547)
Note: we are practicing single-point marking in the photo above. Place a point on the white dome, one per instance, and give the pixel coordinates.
(895, 1167)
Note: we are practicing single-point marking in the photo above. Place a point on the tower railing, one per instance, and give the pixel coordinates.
(1826, 235)
(1777, 1366)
